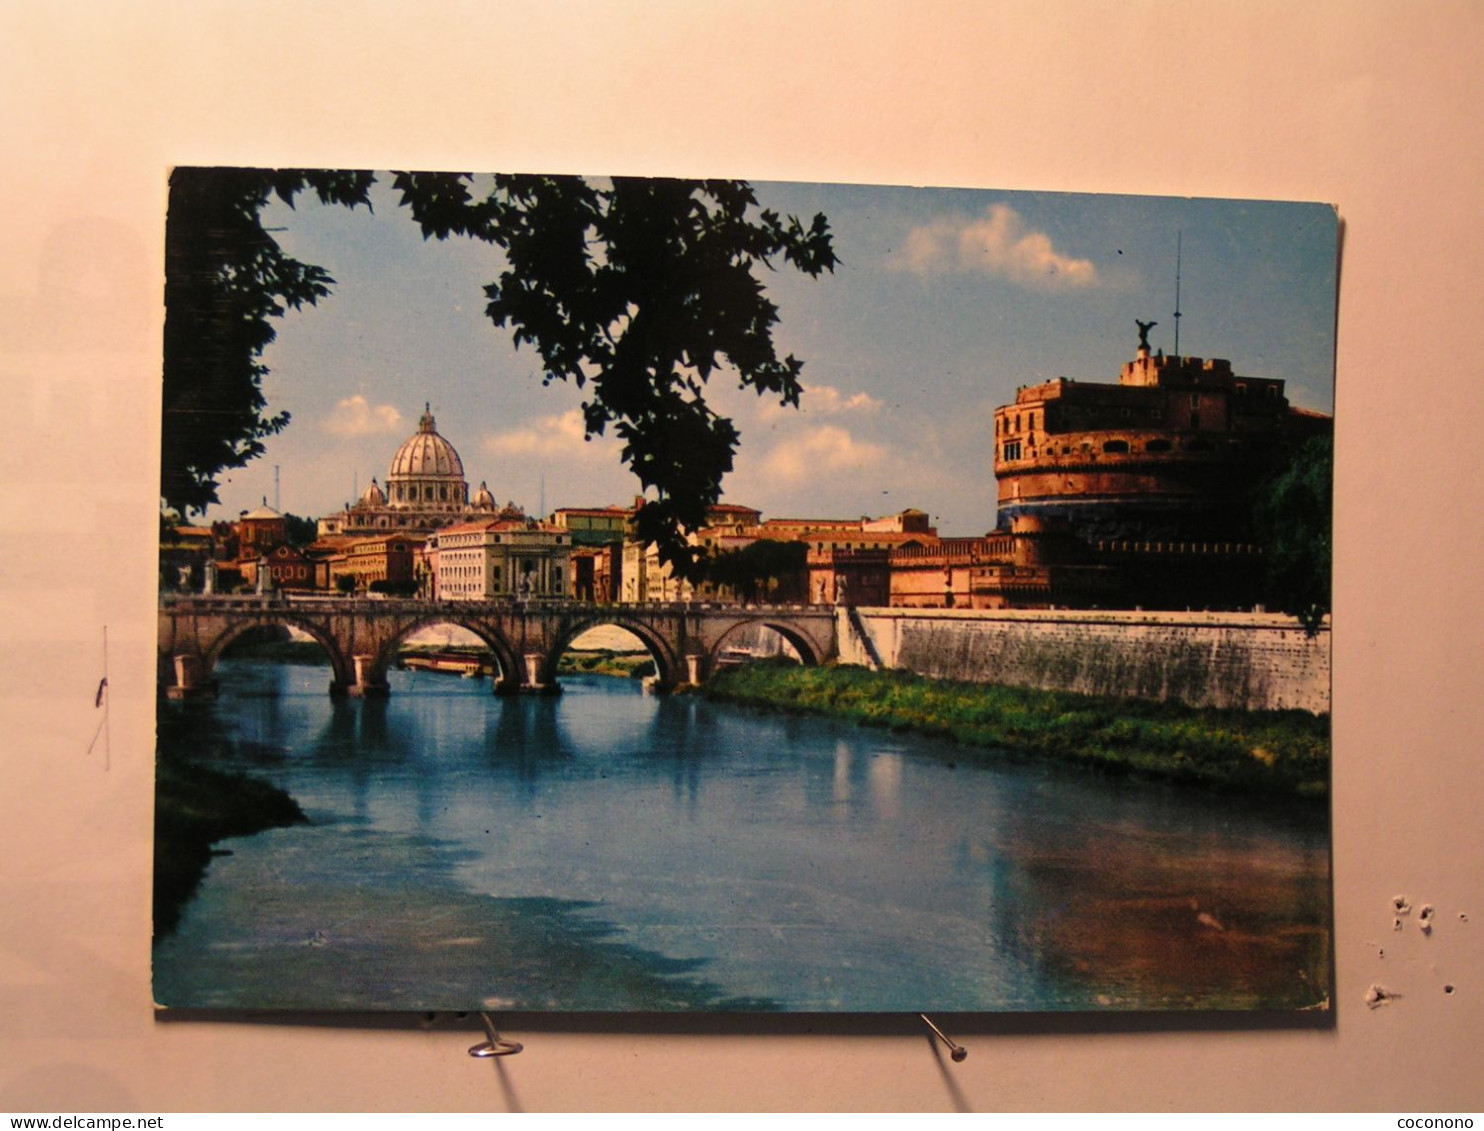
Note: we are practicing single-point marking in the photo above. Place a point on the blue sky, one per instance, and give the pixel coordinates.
(944, 302)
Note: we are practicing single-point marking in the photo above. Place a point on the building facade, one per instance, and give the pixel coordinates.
(849, 560)
(289, 568)
(644, 578)
(260, 530)
(501, 559)
(597, 572)
(597, 535)
(594, 526)
(1034, 564)
(386, 564)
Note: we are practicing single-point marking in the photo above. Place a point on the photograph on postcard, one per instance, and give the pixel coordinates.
(632, 594)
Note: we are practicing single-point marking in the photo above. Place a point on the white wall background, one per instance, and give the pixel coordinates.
(1371, 106)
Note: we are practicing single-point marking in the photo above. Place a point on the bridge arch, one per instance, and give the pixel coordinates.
(489, 635)
(212, 649)
(811, 652)
(667, 663)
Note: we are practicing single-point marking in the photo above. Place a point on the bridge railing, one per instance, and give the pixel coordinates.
(283, 601)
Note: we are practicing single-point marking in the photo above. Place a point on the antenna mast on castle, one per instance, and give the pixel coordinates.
(1178, 234)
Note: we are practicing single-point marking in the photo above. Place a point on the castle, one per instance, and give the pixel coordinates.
(1170, 453)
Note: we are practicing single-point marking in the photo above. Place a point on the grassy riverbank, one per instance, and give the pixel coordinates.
(195, 807)
(632, 665)
(1283, 752)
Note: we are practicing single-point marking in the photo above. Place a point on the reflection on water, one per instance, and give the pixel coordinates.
(612, 850)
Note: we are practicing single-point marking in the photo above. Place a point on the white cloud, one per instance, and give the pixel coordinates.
(831, 401)
(561, 436)
(827, 448)
(996, 243)
(354, 416)
(821, 400)
(832, 468)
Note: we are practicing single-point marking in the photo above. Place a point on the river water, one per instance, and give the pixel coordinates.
(611, 850)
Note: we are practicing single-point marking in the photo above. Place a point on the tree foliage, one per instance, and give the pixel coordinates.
(638, 292)
(300, 531)
(757, 568)
(390, 588)
(226, 280)
(1295, 518)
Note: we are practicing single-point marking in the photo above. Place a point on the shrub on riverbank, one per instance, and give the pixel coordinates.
(1268, 751)
(195, 807)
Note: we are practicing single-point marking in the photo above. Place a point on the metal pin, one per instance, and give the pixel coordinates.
(957, 1052)
(496, 1045)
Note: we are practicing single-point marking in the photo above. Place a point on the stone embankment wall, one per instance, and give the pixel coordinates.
(1251, 661)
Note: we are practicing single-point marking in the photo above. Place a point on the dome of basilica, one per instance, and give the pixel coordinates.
(424, 491)
(426, 470)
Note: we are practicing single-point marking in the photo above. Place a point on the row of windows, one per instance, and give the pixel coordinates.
(449, 588)
(361, 574)
(410, 494)
(458, 569)
(1014, 423)
(447, 541)
(402, 520)
(1269, 391)
(1011, 449)
(470, 571)
(1007, 424)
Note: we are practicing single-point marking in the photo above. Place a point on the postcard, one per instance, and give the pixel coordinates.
(627, 594)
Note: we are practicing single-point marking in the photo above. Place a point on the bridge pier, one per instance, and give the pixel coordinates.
(695, 668)
(369, 683)
(190, 682)
(533, 685)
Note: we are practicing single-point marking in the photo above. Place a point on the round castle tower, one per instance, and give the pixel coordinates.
(1171, 453)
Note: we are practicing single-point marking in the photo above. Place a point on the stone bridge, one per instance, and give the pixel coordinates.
(361, 638)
